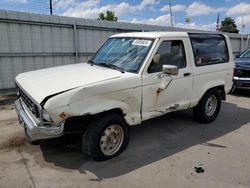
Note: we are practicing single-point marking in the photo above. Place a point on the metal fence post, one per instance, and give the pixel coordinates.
(76, 43)
(247, 44)
(242, 43)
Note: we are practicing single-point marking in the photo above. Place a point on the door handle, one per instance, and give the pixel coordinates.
(187, 74)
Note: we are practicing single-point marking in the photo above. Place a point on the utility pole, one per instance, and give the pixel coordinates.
(218, 23)
(242, 25)
(171, 17)
(50, 7)
(242, 39)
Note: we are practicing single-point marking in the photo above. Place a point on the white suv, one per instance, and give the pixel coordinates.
(133, 77)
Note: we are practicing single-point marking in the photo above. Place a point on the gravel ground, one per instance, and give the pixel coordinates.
(162, 152)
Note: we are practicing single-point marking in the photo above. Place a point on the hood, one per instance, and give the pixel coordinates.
(242, 63)
(42, 83)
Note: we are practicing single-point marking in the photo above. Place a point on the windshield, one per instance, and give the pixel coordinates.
(246, 54)
(125, 54)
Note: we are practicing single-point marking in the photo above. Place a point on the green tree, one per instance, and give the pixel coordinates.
(110, 16)
(228, 25)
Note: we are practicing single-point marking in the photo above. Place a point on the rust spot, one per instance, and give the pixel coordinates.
(62, 115)
(158, 91)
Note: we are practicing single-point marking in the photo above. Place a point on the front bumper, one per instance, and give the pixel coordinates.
(34, 131)
(240, 82)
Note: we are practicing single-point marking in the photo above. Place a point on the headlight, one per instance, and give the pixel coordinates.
(46, 115)
(18, 92)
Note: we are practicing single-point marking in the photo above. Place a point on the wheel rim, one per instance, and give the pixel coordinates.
(111, 139)
(211, 105)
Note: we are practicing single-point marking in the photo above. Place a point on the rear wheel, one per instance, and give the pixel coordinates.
(105, 138)
(209, 106)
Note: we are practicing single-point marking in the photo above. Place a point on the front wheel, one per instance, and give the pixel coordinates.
(105, 138)
(209, 106)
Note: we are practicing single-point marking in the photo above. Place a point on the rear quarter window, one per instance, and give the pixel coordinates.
(209, 49)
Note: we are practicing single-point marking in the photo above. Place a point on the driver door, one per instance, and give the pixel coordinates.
(164, 93)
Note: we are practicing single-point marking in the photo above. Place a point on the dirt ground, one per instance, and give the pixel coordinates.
(162, 152)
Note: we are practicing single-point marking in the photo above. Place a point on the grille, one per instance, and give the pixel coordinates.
(246, 84)
(243, 73)
(246, 73)
(31, 105)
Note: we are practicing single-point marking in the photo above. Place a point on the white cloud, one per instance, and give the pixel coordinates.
(163, 20)
(239, 9)
(63, 3)
(246, 21)
(193, 25)
(175, 8)
(198, 8)
(90, 9)
(67, 4)
(145, 3)
(178, 8)
(17, 1)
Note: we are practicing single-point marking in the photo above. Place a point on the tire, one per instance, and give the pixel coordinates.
(105, 138)
(209, 106)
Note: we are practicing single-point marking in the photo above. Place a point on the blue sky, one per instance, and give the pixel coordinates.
(202, 13)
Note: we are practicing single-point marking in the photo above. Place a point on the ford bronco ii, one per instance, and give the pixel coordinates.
(133, 77)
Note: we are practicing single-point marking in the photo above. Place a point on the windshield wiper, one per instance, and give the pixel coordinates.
(91, 62)
(111, 66)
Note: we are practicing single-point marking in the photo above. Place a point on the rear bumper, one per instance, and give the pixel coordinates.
(34, 131)
(241, 82)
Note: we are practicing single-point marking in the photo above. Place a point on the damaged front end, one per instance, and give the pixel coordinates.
(34, 119)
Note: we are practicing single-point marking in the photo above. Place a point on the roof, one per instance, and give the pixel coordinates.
(152, 34)
(159, 34)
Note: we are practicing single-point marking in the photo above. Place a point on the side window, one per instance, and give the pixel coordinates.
(171, 53)
(209, 49)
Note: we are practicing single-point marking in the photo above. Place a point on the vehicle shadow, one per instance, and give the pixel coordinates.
(242, 92)
(154, 140)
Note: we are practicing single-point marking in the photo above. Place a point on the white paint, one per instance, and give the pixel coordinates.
(95, 89)
(177, 92)
(42, 83)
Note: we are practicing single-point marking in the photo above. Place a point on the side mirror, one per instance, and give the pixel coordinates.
(237, 56)
(170, 69)
(156, 58)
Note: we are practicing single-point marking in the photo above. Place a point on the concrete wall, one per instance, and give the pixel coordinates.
(32, 41)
